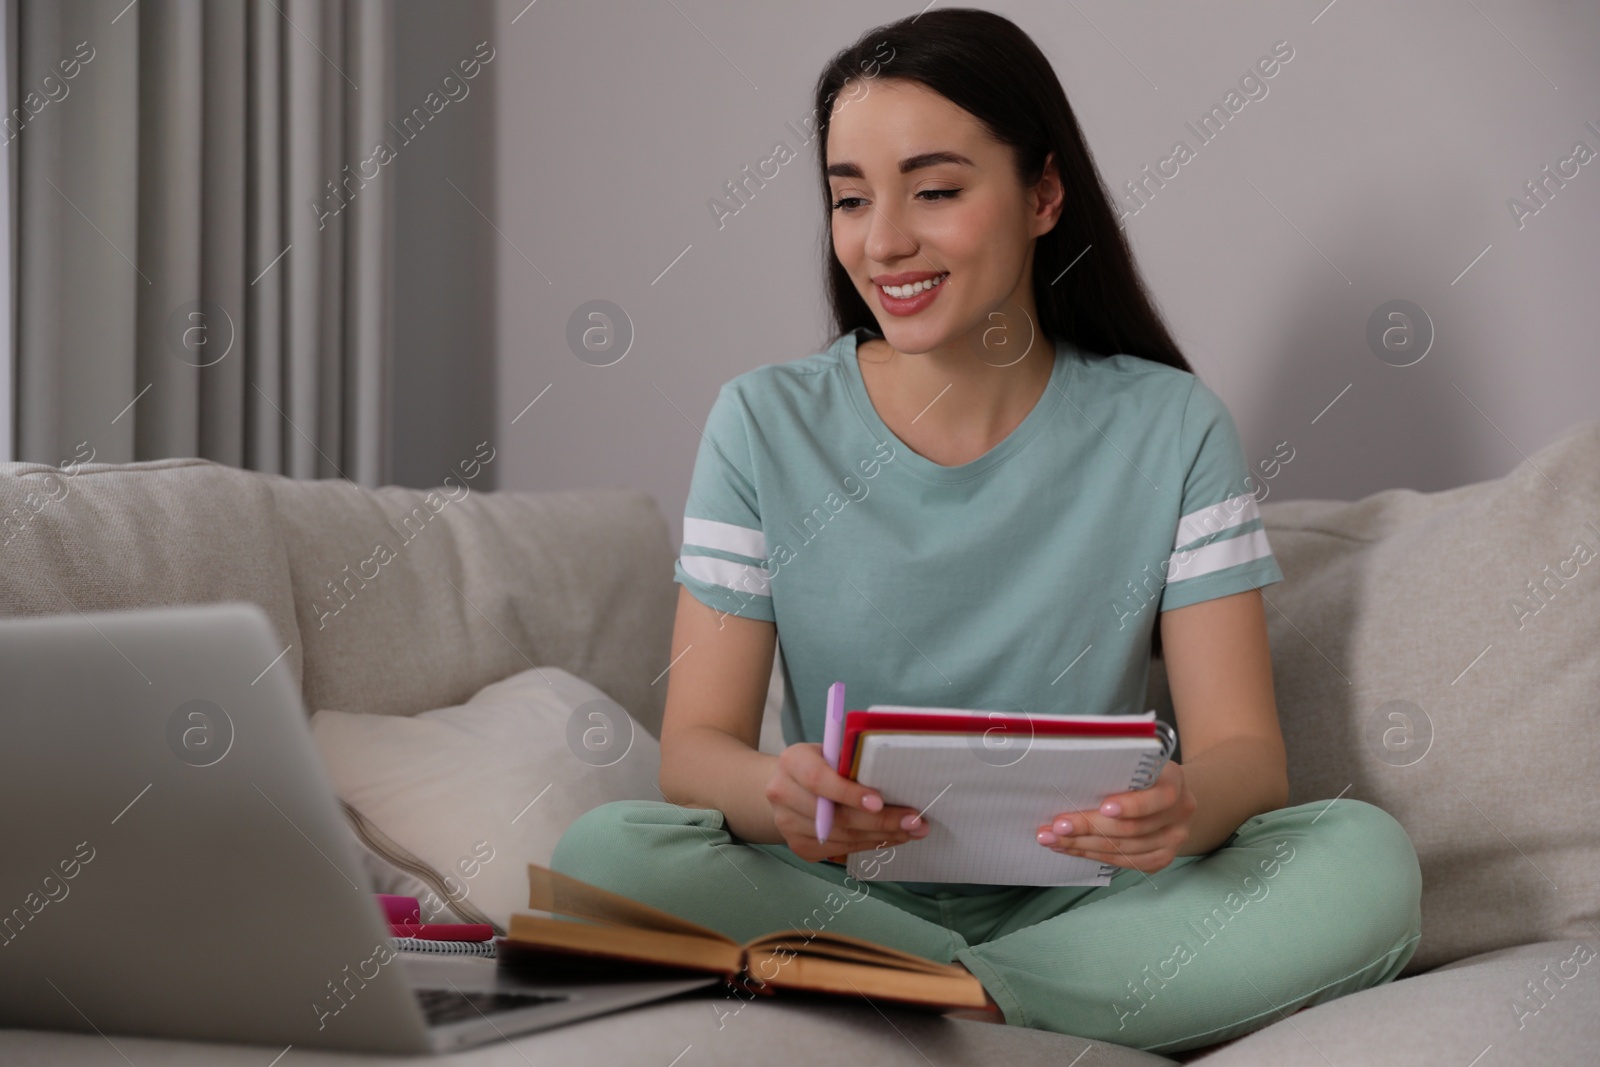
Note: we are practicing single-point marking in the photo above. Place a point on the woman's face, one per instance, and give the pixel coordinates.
(955, 213)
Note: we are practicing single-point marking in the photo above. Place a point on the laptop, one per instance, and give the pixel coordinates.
(177, 864)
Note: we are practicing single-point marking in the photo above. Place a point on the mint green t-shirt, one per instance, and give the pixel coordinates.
(1027, 580)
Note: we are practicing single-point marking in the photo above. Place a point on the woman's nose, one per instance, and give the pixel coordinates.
(889, 236)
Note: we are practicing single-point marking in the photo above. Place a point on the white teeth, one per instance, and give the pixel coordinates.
(901, 292)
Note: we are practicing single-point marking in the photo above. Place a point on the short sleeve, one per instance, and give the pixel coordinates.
(723, 561)
(1220, 546)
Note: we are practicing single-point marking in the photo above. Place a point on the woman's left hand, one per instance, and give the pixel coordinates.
(1141, 829)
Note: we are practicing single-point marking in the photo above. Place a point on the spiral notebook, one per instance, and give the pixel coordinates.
(984, 801)
(442, 948)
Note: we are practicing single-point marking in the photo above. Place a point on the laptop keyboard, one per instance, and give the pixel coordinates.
(448, 1006)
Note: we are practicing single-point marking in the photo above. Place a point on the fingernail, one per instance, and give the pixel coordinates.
(1111, 807)
(922, 830)
(1046, 837)
(1063, 827)
(910, 822)
(872, 802)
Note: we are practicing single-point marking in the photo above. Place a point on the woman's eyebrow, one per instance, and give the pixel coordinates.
(847, 169)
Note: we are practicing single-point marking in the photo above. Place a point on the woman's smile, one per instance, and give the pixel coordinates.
(912, 298)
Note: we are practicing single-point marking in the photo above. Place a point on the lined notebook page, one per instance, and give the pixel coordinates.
(983, 808)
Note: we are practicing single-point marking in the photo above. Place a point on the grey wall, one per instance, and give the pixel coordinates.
(445, 313)
(1378, 167)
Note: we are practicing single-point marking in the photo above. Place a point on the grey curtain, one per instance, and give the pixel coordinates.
(203, 233)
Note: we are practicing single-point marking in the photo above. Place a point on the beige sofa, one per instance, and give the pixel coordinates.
(1435, 654)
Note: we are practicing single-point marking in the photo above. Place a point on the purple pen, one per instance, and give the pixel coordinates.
(832, 737)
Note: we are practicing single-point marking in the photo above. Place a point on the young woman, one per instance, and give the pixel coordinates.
(985, 493)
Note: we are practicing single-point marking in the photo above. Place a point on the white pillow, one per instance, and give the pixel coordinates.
(472, 794)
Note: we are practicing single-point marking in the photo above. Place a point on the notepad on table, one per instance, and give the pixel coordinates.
(985, 782)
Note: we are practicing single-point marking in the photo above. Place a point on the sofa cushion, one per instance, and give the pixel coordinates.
(1435, 654)
(108, 536)
(478, 791)
(1537, 1003)
(697, 1029)
(410, 599)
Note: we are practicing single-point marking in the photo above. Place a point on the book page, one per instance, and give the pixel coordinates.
(954, 989)
(844, 947)
(561, 894)
(535, 933)
(983, 807)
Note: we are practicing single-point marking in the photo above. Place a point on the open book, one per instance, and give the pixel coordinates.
(621, 935)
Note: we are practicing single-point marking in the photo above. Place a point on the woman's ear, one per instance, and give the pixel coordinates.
(1048, 196)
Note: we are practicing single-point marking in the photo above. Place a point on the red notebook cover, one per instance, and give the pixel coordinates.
(405, 920)
(443, 931)
(1020, 726)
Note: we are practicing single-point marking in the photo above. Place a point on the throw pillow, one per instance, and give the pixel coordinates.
(1435, 654)
(463, 798)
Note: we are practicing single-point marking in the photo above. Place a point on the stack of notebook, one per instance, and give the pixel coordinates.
(410, 934)
(986, 781)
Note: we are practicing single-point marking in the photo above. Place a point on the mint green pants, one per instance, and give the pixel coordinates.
(1301, 905)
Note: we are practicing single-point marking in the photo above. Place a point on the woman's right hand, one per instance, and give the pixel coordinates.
(860, 819)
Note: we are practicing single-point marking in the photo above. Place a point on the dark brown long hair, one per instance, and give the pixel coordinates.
(985, 64)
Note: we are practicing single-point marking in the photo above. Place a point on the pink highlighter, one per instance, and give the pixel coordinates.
(832, 737)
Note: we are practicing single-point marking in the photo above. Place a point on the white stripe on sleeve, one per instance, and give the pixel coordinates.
(1231, 512)
(739, 577)
(725, 536)
(1218, 555)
